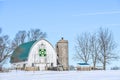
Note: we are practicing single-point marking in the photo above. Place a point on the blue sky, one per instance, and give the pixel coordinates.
(60, 18)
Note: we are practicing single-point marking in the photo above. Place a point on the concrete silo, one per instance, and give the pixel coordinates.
(62, 53)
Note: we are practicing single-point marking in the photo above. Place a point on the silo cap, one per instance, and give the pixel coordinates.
(62, 40)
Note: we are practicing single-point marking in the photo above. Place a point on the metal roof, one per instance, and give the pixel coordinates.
(83, 63)
(21, 52)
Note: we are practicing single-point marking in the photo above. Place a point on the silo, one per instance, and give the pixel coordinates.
(62, 53)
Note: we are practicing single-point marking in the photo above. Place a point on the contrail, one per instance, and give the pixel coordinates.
(98, 13)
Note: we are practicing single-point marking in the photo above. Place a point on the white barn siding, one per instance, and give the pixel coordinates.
(41, 62)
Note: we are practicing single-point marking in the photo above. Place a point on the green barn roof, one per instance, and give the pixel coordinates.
(21, 52)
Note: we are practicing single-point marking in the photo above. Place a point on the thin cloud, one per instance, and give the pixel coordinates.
(112, 24)
(98, 13)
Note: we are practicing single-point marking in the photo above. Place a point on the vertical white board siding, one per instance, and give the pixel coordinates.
(50, 58)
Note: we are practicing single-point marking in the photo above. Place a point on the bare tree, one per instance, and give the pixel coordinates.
(94, 49)
(35, 34)
(19, 39)
(23, 36)
(82, 48)
(5, 49)
(97, 47)
(107, 46)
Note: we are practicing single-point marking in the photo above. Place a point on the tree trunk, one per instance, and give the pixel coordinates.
(104, 66)
(94, 65)
(104, 63)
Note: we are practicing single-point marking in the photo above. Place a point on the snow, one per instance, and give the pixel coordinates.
(61, 75)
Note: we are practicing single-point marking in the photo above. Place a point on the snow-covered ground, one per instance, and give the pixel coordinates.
(61, 75)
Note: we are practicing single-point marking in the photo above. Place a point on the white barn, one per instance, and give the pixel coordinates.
(35, 55)
(40, 54)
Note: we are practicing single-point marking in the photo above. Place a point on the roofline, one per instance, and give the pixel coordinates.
(38, 41)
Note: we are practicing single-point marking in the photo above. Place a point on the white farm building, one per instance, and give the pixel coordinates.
(41, 55)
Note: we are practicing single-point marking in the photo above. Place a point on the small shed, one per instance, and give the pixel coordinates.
(83, 67)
